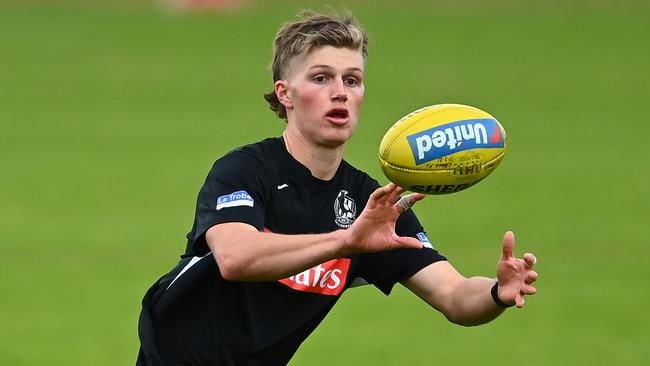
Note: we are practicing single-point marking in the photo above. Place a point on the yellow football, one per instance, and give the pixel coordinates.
(442, 148)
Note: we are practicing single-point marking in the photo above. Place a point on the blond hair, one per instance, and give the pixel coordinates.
(309, 32)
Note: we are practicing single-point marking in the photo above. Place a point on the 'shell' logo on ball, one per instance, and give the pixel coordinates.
(326, 279)
(451, 138)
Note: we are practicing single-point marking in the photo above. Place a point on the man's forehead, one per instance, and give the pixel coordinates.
(326, 66)
(329, 57)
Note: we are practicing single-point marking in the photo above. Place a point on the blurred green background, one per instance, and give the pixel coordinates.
(111, 114)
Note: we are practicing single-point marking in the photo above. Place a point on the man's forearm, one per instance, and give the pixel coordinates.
(255, 256)
(472, 303)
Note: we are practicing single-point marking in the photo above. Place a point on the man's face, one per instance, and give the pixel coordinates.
(325, 89)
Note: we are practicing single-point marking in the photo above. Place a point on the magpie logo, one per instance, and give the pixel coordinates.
(345, 210)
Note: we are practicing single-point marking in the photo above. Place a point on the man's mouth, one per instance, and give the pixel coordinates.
(337, 115)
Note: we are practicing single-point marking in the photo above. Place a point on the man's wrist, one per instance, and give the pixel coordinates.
(495, 296)
(344, 245)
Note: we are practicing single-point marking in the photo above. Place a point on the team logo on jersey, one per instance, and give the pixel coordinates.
(239, 198)
(326, 279)
(345, 210)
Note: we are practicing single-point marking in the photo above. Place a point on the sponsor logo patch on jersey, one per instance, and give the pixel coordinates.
(422, 237)
(325, 279)
(239, 198)
(345, 210)
(451, 138)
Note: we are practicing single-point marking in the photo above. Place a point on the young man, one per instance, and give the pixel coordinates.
(285, 225)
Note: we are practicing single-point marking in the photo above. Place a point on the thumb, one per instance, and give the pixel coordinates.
(508, 245)
(409, 242)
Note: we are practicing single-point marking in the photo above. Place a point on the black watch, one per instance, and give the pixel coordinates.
(495, 296)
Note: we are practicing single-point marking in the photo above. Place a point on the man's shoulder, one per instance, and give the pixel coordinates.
(256, 159)
(255, 155)
(262, 150)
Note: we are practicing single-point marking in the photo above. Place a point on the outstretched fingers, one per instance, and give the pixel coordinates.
(508, 245)
(529, 260)
(378, 193)
(381, 194)
(394, 195)
(406, 202)
(531, 277)
(519, 300)
(390, 195)
(408, 242)
(528, 290)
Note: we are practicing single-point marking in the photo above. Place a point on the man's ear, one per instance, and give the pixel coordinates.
(282, 92)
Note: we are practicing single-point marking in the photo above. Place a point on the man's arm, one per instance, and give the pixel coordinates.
(468, 301)
(244, 254)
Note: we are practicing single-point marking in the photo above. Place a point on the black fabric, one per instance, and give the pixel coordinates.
(202, 319)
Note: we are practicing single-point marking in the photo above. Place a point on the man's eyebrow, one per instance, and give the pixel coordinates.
(330, 67)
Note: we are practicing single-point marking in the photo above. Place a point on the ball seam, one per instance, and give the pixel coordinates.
(404, 169)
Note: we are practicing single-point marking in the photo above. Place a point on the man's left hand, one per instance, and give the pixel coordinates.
(515, 275)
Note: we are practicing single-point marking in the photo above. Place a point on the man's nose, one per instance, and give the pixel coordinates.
(338, 92)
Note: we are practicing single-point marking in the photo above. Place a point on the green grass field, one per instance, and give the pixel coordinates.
(110, 117)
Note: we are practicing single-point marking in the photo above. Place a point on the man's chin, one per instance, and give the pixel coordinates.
(336, 140)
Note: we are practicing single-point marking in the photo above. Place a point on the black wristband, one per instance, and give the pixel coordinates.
(495, 296)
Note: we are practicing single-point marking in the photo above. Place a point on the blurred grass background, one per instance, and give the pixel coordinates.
(111, 114)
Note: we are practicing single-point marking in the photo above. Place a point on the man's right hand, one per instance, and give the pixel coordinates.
(374, 229)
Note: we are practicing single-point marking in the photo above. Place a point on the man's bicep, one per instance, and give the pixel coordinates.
(220, 233)
(434, 284)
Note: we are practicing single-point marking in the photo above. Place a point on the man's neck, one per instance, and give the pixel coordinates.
(322, 161)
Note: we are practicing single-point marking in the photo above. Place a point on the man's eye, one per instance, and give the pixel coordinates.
(320, 79)
(351, 82)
